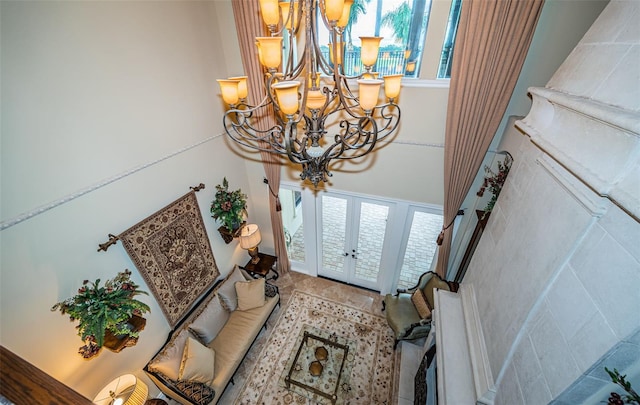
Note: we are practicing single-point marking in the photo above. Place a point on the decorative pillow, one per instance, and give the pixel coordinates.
(199, 393)
(250, 294)
(434, 282)
(208, 324)
(168, 361)
(270, 290)
(227, 291)
(420, 302)
(197, 363)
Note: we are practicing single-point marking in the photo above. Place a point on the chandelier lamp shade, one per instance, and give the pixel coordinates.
(320, 113)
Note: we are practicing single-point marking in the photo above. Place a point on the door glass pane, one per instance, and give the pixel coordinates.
(291, 202)
(334, 220)
(372, 227)
(421, 247)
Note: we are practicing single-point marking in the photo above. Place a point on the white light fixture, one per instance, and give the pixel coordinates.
(250, 238)
(312, 96)
(124, 390)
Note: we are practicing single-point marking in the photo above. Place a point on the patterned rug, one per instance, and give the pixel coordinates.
(369, 362)
(172, 252)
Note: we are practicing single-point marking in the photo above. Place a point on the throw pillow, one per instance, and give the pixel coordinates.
(250, 294)
(227, 291)
(420, 302)
(197, 363)
(168, 361)
(208, 324)
(198, 393)
(434, 282)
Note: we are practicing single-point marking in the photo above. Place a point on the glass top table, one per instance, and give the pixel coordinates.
(320, 366)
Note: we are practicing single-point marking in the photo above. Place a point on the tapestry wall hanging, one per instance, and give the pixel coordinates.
(172, 252)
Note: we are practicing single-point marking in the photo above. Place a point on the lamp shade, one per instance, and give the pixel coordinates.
(369, 50)
(315, 99)
(333, 9)
(270, 51)
(243, 90)
(230, 90)
(270, 11)
(285, 6)
(369, 90)
(124, 390)
(250, 236)
(287, 95)
(346, 12)
(392, 85)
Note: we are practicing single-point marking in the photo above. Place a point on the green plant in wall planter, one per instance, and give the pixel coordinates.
(102, 310)
(631, 397)
(494, 181)
(229, 208)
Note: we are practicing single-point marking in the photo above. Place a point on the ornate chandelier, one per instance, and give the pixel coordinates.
(318, 114)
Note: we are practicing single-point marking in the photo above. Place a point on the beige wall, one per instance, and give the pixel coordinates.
(91, 91)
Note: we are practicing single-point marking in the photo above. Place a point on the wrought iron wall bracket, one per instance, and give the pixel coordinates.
(113, 239)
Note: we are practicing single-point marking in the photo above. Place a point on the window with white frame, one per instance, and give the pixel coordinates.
(403, 25)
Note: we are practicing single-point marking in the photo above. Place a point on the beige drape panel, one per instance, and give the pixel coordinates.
(491, 45)
(249, 25)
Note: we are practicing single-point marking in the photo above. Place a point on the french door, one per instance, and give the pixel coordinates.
(376, 243)
(352, 238)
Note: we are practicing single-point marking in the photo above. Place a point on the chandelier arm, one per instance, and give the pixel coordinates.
(370, 140)
(290, 58)
(322, 63)
(323, 13)
(328, 99)
(390, 119)
(295, 149)
(294, 19)
(252, 141)
(238, 125)
(356, 136)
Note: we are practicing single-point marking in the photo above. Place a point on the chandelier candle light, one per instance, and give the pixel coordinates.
(312, 95)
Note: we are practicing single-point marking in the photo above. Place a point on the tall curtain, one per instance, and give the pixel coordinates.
(491, 45)
(249, 25)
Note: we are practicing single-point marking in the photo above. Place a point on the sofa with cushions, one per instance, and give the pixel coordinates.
(408, 312)
(203, 352)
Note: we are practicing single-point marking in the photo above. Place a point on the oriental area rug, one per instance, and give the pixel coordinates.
(171, 250)
(355, 365)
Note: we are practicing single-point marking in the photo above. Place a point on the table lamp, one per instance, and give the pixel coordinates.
(250, 239)
(124, 390)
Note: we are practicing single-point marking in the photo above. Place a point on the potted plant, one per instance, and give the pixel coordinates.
(229, 207)
(104, 309)
(494, 182)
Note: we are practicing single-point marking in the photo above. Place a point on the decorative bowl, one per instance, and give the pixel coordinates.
(321, 353)
(315, 368)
